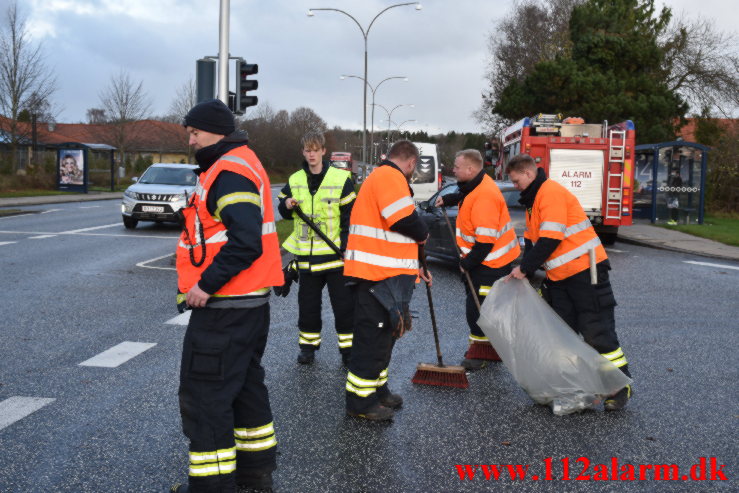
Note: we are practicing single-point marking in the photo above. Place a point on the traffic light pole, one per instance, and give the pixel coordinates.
(223, 54)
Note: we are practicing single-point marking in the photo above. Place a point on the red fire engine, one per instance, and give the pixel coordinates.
(593, 161)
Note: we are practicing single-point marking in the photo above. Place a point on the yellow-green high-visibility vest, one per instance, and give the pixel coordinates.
(322, 208)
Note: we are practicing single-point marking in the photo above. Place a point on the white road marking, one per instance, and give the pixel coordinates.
(181, 319)
(89, 229)
(16, 215)
(614, 250)
(40, 237)
(7, 242)
(15, 408)
(117, 355)
(143, 264)
(708, 264)
(50, 210)
(112, 235)
(88, 206)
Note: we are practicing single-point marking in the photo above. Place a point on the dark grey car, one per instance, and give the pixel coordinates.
(441, 241)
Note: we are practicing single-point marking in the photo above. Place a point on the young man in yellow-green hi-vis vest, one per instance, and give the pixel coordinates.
(326, 195)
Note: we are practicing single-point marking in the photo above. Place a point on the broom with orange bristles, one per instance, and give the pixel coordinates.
(439, 374)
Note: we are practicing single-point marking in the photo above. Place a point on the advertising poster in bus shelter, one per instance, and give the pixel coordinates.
(71, 169)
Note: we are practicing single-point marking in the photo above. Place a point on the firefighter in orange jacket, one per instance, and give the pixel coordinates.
(487, 241)
(227, 259)
(559, 237)
(384, 235)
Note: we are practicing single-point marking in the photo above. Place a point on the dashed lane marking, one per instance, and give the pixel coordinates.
(181, 319)
(143, 264)
(51, 210)
(7, 242)
(40, 237)
(708, 264)
(89, 229)
(15, 408)
(88, 207)
(117, 355)
(614, 250)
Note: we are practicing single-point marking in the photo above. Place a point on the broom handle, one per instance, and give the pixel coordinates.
(459, 252)
(422, 258)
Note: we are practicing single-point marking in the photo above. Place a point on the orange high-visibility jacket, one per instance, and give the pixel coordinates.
(266, 271)
(483, 218)
(374, 252)
(557, 214)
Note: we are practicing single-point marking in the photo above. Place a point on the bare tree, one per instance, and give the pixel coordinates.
(124, 102)
(96, 115)
(538, 30)
(26, 82)
(185, 98)
(703, 65)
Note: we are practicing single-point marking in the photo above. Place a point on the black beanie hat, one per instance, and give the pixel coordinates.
(212, 116)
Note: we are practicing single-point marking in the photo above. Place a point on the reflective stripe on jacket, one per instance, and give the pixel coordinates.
(483, 218)
(557, 214)
(264, 272)
(324, 209)
(374, 252)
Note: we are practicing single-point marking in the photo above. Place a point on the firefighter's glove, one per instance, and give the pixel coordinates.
(290, 272)
(182, 302)
(400, 319)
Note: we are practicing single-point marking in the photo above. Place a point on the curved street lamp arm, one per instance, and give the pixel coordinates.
(360, 78)
(364, 33)
(385, 10)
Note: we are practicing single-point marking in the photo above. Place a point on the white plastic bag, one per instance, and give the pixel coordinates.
(545, 356)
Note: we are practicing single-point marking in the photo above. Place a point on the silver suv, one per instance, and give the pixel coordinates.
(158, 194)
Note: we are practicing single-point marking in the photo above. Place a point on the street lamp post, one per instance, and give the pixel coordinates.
(365, 34)
(398, 127)
(390, 115)
(374, 90)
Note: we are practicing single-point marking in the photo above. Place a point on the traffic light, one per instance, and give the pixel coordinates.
(243, 85)
(205, 79)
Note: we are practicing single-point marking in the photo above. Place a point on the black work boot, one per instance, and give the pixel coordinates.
(474, 364)
(179, 488)
(393, 401)
(618, 401)
(306, 356)
(377, 413)
(252, 482)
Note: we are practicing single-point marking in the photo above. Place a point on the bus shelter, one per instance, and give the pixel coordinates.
(78, 166)
(670, 182)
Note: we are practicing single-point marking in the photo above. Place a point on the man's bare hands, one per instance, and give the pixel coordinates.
(517, 273)
(439, 201)
(426, 276)
(196, 297)
(290, 203)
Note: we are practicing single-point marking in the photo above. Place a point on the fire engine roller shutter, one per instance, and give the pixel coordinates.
(581, 172)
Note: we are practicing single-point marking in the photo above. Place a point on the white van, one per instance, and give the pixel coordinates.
(426, 179)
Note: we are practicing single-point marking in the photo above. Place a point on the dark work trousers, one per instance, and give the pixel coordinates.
(310, 297)
(222, 394)
(587, 308)
(482, 275)
(373, 346)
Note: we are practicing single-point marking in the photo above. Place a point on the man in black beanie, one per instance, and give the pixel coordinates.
(228, 258)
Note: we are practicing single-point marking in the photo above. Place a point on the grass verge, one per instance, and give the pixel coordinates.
(723, 228)
(284, 228)
(32, 192)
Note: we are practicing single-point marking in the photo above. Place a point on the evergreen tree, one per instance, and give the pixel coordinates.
(613, 72)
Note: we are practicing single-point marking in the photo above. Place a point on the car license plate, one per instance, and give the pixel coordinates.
(152, 208)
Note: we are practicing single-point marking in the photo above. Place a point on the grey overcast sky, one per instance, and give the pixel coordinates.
(442, 49)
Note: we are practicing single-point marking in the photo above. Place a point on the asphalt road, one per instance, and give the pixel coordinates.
(76, 284)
